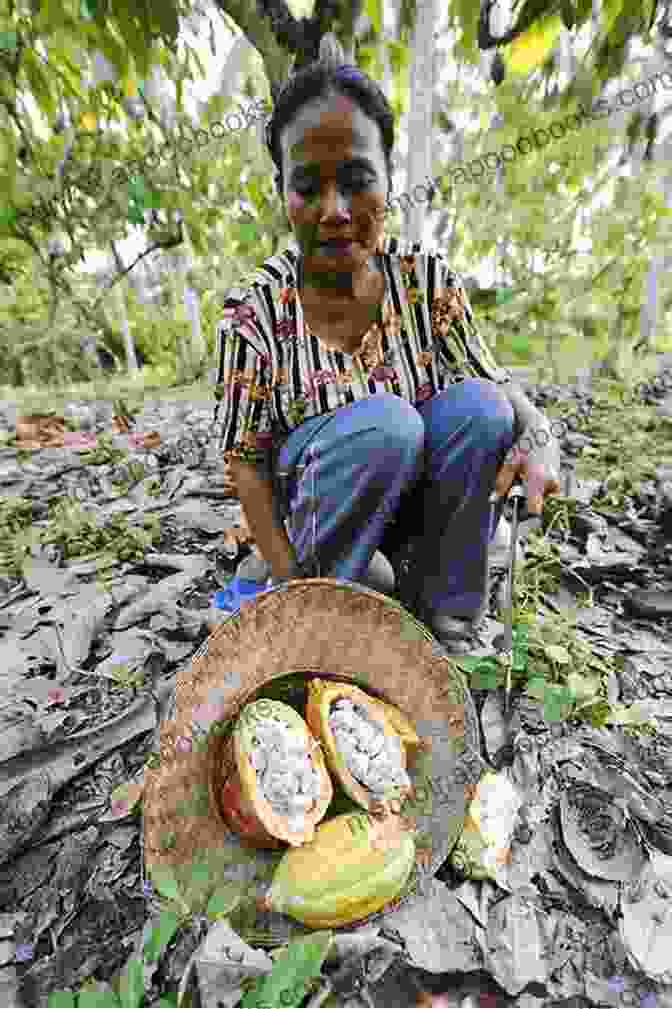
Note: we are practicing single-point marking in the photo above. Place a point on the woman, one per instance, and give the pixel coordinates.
(360, 401)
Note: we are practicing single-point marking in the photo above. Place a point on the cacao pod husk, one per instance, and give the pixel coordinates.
(483, 849)
(321, 695)
(353, 867)
(243, 805)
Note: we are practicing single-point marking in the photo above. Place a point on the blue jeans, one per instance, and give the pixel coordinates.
(382, 473)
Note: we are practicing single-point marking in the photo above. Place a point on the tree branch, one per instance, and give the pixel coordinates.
(301, 38)
(159, 245)
(258, 31)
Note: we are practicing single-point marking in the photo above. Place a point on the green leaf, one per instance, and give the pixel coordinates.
(94, 999)
(224, 900)
(247, 231)
(520, 650)
(61, 1000)
(598, 714)
(464, 11)
(558, 702)
(558, 654)
(132, 985)
(486, 675)
(168, 924)
(536, 687)
(398, 56)
(41, 87)
(135, 215)
(374, 10)
(567, 14)
(88, 9)
(8, 41)
(115, 53)
(196, 885)
(585, 687)
(291, 974)
(504, 294)
(168, 1002)
(164, 880)
(136, 188)
(165, 15)
(469, 662)
(254, 193)
(137, 41)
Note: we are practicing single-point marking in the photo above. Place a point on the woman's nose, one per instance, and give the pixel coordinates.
(334, 205)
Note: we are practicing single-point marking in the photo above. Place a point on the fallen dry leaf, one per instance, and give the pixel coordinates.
(122, 425)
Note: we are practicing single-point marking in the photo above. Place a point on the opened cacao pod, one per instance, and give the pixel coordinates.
(364, 742)
(353, 867)
(276, 785)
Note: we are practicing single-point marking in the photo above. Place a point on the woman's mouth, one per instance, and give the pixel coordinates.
(338, 247)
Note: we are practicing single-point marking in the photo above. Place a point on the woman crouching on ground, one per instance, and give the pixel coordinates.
(361, 403)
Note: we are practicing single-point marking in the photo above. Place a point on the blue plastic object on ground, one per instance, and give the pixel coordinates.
(239, 590)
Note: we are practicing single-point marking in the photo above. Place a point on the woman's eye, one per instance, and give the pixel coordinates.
(358, 180)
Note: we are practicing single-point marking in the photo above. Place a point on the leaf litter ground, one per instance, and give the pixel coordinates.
(112, 548)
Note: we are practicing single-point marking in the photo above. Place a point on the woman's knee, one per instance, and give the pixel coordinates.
(490, 407)
(397, 423)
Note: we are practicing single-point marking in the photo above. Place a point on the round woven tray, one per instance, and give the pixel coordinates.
(320, 627)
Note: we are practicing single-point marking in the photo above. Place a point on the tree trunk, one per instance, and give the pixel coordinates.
(237, 59)
(420, 117)
(118, 295)
(181, 355)
(195, 346)
(649, 311)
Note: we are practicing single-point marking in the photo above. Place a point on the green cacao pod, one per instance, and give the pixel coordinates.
(245, 807)
(353, 867)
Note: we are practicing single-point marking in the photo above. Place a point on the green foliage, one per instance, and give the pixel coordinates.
(207, 185)
(129, 987)
(74, 529)
(292, 973)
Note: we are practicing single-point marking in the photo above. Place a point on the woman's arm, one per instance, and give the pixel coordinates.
(256, 497)
(528, 417)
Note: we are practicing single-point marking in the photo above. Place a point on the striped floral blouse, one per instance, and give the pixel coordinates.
(274, 373)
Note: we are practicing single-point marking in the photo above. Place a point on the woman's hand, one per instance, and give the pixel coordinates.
(538, 467)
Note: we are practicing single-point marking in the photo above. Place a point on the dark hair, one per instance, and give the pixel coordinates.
(317, 80)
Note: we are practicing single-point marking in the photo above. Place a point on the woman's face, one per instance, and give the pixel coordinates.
(334, 183)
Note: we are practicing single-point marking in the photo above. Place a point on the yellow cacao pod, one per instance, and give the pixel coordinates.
(321, 695)
(353, 867)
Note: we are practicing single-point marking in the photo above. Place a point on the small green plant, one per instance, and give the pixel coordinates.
(135, 472)
(490, 673)
(177, 904)
(123, 408)
(127, 677)
(128, 989)
(75, 530)
(293, 973)
(104, 452)
(568, 680)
